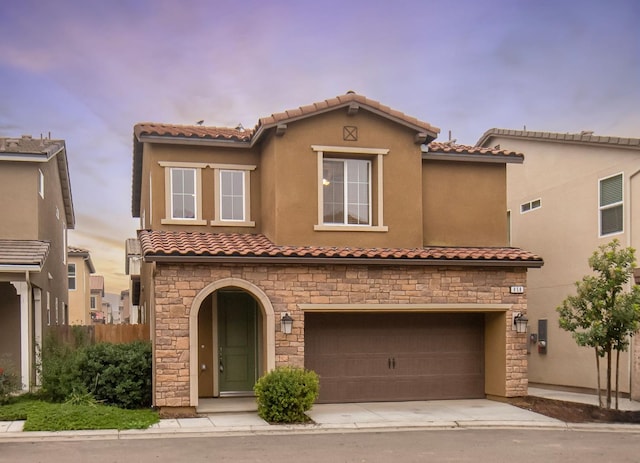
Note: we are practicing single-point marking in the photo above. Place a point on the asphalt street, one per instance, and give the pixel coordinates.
(459, 445)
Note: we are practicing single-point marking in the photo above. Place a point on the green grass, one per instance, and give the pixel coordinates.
(44, 416)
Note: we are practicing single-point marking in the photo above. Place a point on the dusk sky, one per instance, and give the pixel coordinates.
(87, 71)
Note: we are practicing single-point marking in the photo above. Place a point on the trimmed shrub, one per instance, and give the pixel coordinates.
(117, 374)
(284, 394)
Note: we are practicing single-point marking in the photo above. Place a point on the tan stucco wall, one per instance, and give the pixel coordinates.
(19, 193)
(288, 286)
(464, 204)
(564, 231)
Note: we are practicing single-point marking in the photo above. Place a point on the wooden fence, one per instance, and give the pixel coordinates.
(115, 334)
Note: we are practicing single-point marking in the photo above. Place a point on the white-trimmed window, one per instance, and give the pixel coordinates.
(48, 308)
(57, 317)
(611, 205)
(232, 195)
(71, 269)
(183, 193)
(350, 188)
(346, 191)
(530, 206)
(92, 303)
(40, 183)
(232, 201)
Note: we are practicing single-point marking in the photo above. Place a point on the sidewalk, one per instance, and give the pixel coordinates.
(379, 416)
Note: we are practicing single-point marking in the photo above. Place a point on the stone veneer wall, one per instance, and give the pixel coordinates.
(286, 286)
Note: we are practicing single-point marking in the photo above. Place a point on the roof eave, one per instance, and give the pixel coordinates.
(20, 268)
(488, 158)
(341, 261)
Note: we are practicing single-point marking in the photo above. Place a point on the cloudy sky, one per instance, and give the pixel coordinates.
(88, 70)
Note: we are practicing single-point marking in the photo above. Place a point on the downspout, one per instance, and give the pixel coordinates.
(629, 243)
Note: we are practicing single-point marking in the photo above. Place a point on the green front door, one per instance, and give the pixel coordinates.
(237, 352)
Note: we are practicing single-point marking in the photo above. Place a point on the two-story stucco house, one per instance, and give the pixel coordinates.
(36, 210)
(389, 259)
(80, 267)
(574, 193)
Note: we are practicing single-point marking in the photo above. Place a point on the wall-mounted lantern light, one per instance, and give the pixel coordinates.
(286, 322)
(520, 322)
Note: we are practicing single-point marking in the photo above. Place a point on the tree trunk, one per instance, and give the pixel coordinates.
(617, 377)
(608, 377)
(598, 377)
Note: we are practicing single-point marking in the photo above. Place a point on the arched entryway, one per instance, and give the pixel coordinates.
(232, 339)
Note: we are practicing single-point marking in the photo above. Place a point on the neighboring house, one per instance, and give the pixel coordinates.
(328, 237)
(36, 210)
(80, 267)
(574, 193)
(125, 306)
(95, 300)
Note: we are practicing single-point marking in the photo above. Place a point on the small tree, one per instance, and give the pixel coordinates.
(602, 315)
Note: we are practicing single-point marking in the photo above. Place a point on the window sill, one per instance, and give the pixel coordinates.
(229, 223)
(351, 228)
(182, 222)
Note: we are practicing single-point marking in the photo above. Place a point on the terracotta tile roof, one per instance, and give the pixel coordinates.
(447, 147)
(345, 100)
(76, 250)
(23, 252)
(585, 137)
(178, 244)
(191, 131)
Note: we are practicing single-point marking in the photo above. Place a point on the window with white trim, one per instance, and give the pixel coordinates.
(92, 303)
(611, 205)
(40, 183)
(530, 206)
(48, 308)
(346, 191)
(183, 193)
(350, 188)
(71, 270)
(232, 195)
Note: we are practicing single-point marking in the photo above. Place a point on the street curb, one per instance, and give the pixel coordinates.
(228, 431)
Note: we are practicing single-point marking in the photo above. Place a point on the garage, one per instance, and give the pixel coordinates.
(369, 357)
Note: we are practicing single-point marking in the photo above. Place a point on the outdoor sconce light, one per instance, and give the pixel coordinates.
(520, 322)
(286, 322)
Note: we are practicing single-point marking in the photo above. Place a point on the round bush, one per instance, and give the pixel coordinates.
(285, 394)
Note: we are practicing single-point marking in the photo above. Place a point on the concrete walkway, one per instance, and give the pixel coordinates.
(379, 416)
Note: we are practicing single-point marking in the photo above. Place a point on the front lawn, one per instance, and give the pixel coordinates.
(44, 416)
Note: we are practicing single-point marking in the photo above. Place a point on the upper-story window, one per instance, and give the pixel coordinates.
(232, 202)
(346, 191)
(92, 303)
(611, 205)
(183, 193)
(232, 195)
(350, 188)
(71, 269)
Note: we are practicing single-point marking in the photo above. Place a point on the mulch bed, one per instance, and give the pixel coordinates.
(573, 412)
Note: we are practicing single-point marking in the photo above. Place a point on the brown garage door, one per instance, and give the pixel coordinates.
(364, 357)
